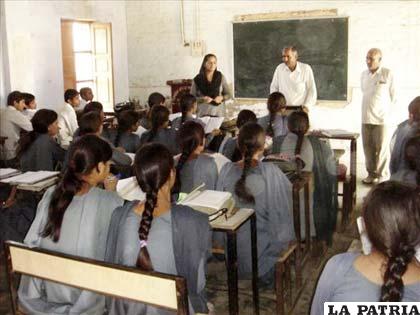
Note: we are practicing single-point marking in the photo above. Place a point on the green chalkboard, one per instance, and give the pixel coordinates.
(322, 43)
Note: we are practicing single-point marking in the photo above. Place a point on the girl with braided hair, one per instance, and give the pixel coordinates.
(264, 188)
(151, 235)
(275, 123)
(194, 167)
(188, 104)
(159, 131)
(391, 272)
(73, 218)
(124, 136)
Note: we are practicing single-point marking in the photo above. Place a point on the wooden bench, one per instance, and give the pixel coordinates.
(152, 288)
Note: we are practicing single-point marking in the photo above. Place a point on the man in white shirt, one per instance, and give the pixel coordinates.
(295, 80)
(67, 119)
(12, 122)
(378, 90)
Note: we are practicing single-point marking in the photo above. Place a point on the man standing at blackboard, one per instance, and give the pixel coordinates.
(295, 80)
(378, 90)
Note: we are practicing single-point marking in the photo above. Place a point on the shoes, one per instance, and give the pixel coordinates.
(370, 180)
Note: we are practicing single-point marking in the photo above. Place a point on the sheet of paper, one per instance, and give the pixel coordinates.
(129, 189)
(211, 123)
(7, 172)
(174, 115)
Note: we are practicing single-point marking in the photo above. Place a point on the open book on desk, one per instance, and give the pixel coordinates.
(8, 172)
(211, 123)
(333, 132)
(39, 186)
(211, 202)
(29, 178)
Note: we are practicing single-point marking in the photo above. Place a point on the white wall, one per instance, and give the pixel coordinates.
(34, 45)
(156, 53)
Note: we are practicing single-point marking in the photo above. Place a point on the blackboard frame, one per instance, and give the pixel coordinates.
(328, 102)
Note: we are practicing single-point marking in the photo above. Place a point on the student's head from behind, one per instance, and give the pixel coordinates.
(244, 117)
(289, 56)
(128, 121)
(298, 122)
(30, 101)
(155, 99)
(412, 155)
(209, 64)
(154, 171)
(392, 217)
(89, 163)
(86, 93)
(276, 103)
(188, 105)
(72, 97)
(90, 123)
(159, 117)
(251, 141)
(94, 107)
(16, 100)
(414, 110)
(191, 138)
(43, 122)
(373, 59)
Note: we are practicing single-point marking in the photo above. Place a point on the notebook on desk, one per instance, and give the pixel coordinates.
(30, 178)
(8, 172)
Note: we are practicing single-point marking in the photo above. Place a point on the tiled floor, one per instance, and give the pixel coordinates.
(217, 289)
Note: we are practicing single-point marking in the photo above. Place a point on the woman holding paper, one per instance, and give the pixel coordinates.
(264, 188)
(151, 234)
(73, 218)
(391, 271)
(211, 88)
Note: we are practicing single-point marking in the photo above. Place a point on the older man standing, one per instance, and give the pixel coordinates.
(378, 90)
(295, 80)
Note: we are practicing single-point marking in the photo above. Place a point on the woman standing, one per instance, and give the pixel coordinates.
(210, 88)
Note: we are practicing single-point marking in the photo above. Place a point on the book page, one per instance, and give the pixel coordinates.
(30, 177)
(212, 123)
(7, 172)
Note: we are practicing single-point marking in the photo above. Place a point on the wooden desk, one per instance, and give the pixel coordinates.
(352, 137)
(230, 227)
(299, 183)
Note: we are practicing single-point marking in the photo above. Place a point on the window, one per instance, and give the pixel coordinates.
(87, 59)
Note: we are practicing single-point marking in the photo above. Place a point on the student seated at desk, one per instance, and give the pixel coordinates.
(404, 131)
(30, 104)
(151, 235)
(38, 149)
(188, 105)
(67, 119)
(318, 158)
(229, 148)
(411, 174)
(194, 167)
(12, 122)
(123, 136)
(275, 123)
(73, 218)
(91, 107)
(155, 99)
(264, 188)
(390, 273)
(159, 131)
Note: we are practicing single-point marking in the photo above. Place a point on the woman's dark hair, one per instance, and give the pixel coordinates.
(28, 97)
(276, 101)
(414, 109)
(13, 97)
(126, 120)
(69, 94)
(90, 123)
(187, 103)
(152, 167)
(392, 217)
(298, 123)
(93, 107)
(159, 116)
(203, 64)
(190, 136)
(155, 99)
(244, 117)
(86, 153)
(251, 139)
(42, 119)
(412, 155)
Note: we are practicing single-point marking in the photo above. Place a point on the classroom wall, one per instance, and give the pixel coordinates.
(34, 45)
(156, 52)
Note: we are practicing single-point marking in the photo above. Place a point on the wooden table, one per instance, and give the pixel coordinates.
(352, 137)
(299, 183)
(230, 227)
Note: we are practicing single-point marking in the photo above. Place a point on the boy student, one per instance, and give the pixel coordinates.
(12, 122)
(67, 119)
(30, 104)
(86, 96)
